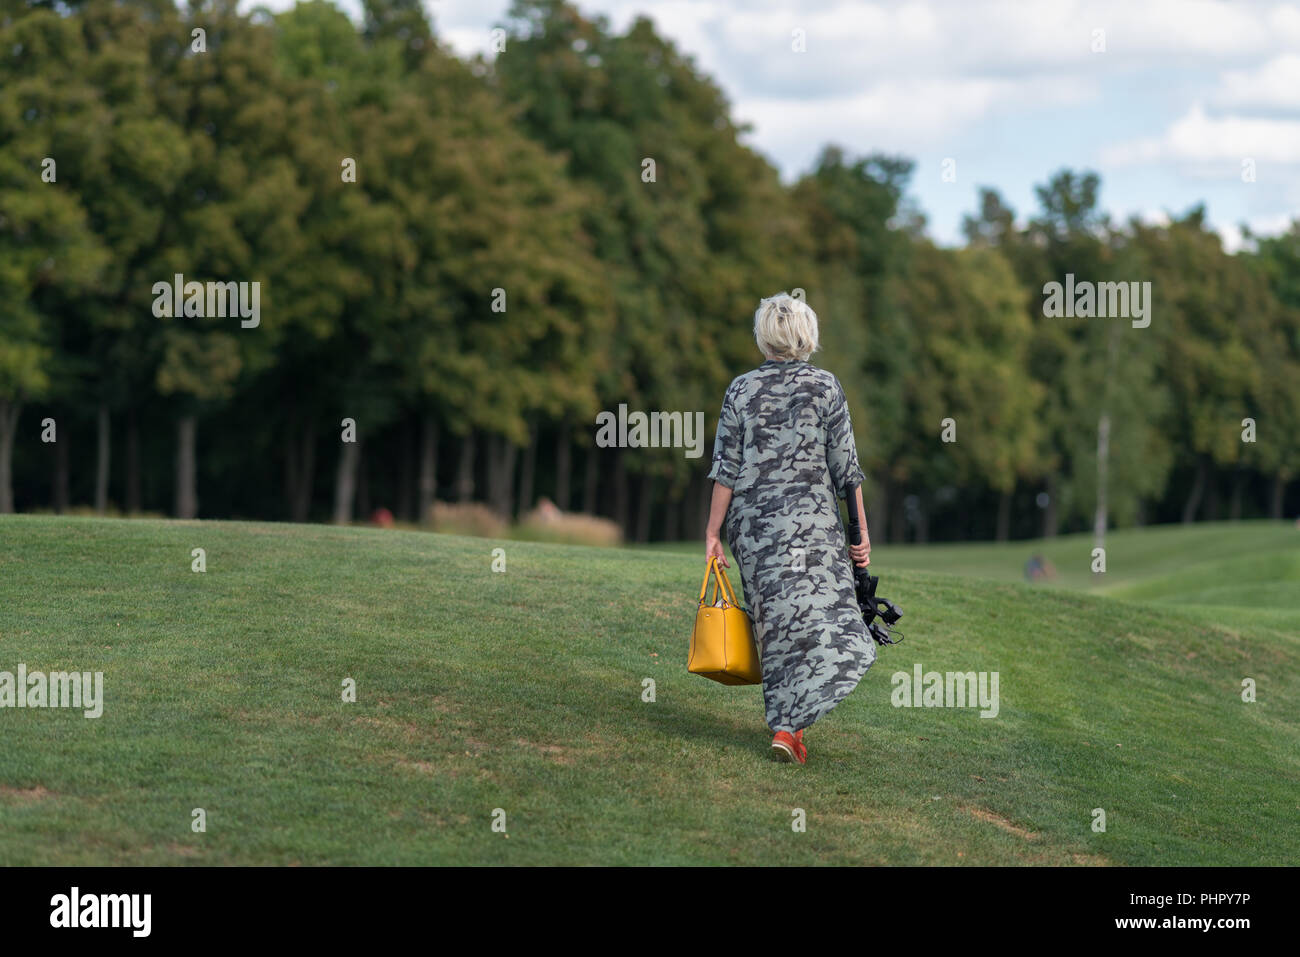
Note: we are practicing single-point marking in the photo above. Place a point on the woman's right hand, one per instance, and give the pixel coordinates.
(713, 549)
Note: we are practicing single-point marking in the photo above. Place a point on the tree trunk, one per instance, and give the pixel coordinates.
(402, 497)
(620, 491)
(496, 452)
(428, 466)
(61, 473)
(306, 475)
(703, 503)
(102, 461)
(878, 526)
(187, 495)
(1238, 487)
(1004, 517)
(8, 429)
(1213, 511)
(290, 460)
(345, 482)
(527, 471)
(922, 521)
(299, 469)
(563, 467)
(502, 454)
(133, 500)
(509, 459)
(685, 532)
(1051, 514)
(1101, 513)
(363, 486)
(1279, 490)
(1100, 517)
(1193, 502)
(898, 517)
(589, 485)
(644, 503)
(465, 469)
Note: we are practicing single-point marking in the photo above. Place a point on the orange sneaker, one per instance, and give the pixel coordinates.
(786, 748)
(798, 737)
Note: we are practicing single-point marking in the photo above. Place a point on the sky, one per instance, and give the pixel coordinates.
(1172, 102)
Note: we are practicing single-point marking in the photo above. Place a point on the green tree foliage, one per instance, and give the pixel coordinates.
(1207, 305)
(47, 251)
(971, 331)
(1274, 345)
(688, 223)
(476, 256)
(849, 207)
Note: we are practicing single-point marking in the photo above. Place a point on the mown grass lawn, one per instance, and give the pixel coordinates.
(523, 691)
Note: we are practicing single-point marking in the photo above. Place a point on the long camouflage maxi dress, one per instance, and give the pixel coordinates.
(785, 448)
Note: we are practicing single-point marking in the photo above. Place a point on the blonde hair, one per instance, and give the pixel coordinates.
(786, 327)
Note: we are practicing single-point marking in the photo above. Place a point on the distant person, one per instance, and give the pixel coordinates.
(783, 457)
(1039, 568)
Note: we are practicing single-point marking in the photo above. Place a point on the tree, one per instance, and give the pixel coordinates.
(1207, 361)
(47, 253)
(849, 210)
(690, 227)
(1105, 446)
(972, 332)
(1272, 331)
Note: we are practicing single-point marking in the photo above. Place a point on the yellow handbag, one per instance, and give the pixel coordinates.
(722, 643)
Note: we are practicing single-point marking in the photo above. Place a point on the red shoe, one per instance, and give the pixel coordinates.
(798, 737)
(787, 748)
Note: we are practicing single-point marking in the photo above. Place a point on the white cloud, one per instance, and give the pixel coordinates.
(914, 71)
(890, 114)
(748, 43)
(1275, 84)
(1199, 140)
(1154, 217)
(903, 115)
(1234, 239)
(1207, 83)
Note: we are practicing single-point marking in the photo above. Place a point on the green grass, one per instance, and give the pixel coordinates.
(1232, 572)
(523, 691)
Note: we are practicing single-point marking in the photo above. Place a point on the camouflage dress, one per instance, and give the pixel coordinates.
(785, 448)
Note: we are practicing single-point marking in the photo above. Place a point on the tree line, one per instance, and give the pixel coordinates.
(460, 263)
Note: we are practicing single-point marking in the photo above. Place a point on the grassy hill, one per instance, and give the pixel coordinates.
(523, 691)
(1233, 572)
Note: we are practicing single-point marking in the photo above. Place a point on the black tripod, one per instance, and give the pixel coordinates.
(880, 614)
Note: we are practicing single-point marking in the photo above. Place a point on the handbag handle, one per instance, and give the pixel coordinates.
(705, 586)
(721, 582)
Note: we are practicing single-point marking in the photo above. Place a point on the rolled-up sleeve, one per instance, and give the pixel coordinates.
(728, 453)
(841, 450)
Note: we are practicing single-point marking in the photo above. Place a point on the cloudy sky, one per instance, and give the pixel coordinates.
(1167, 99)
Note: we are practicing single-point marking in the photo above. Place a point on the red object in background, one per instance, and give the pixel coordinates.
(381, 517)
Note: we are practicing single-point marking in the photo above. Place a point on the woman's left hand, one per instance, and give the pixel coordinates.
(861, 554)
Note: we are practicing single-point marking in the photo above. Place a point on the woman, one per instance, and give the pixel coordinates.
(783, 457)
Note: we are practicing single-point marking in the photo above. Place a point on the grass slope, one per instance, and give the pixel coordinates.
(523, 691)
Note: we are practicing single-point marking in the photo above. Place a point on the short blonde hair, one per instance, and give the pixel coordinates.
(786, 327)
